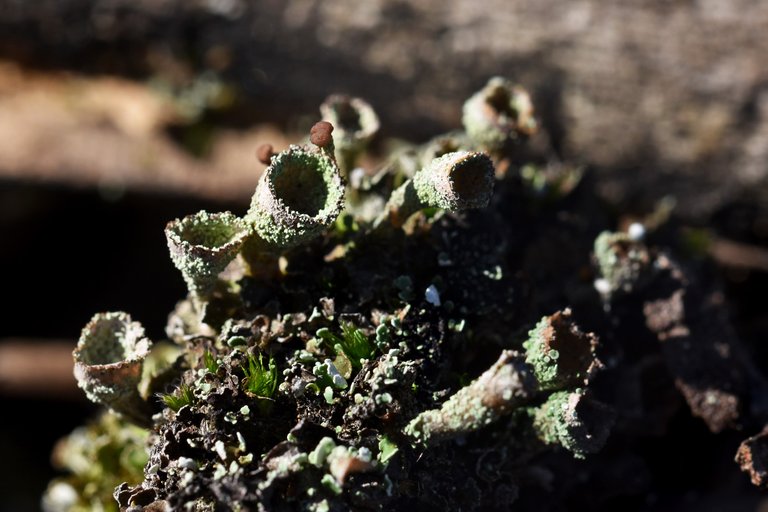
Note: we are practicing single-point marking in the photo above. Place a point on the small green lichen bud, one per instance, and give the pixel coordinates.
(299, 195)
(456, 181)
(356, 123)
(502, 388)
(561, 355)
(202, 245)
(109, 359)
(318, 456)
(574, 421)
(499, 113)
(624, 264)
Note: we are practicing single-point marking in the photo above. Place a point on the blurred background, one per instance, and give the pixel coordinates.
(117, 116)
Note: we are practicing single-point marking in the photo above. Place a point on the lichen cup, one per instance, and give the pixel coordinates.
(109, 359)
(498, 114)
(456, 181)
(299, 195)
(355, 123)
(201, 247)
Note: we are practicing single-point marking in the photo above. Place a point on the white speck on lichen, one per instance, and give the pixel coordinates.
(636, 231)
(602, 286)
(432, 296)
(220, 450)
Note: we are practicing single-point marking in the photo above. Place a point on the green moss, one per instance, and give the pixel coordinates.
(353, 343)
(210, 362)
(260, 380)
(182, 396)
(387, 449)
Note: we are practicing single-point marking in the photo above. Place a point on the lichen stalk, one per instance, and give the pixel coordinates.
(456, 181)
(505, 386)
(561, 355)
(573, 420)
(623, 262)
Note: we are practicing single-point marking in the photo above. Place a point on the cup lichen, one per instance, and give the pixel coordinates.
(498, 114)
(624, 263)
(109, 359)
(560, 354)
(202, 245)
(346, 358)
(299, 196)
(505, 386)
(456, 181)
(355, 123)
(573, 420)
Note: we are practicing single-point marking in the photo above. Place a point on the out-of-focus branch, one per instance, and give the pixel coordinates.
(40, 368)
(735, 254)
(110, 133)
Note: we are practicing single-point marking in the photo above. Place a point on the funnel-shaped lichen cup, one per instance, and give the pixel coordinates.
(109, 359)
(573, 420)
(299, 195)
(456, 181)
(202, 245)
(499, 113)
(355, 124)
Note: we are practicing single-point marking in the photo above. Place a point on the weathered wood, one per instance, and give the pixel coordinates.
(663, 97)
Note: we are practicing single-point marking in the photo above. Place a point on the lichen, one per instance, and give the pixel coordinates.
(99, 456)
(327, 361)
(202, 245)
(355, 124)
(299, 196)
(624, 263)
(498, 114)
(505, 386)
(454, 182)
(572, 420)
(109, 360)
(560, 354)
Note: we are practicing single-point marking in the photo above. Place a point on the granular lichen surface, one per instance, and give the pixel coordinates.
(431, 335)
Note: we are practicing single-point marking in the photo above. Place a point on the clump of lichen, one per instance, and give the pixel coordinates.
(365, 348)
(98, 457)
